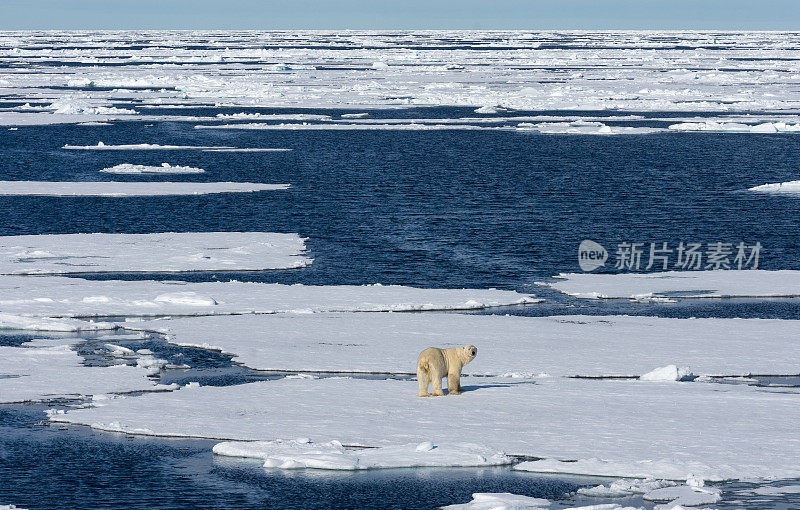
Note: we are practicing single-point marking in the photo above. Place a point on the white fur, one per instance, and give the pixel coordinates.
(434, 364)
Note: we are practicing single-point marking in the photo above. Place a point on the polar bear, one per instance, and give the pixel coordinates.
(433, 364)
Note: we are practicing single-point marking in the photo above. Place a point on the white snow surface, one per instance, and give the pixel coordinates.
(53, 296)
(789, 187)
(685, 495)
(45, 373)
(129, 189)
(9, 321)
(159, 252)
(157, 147)
(625, 487)
(164, 168)
(669, 373)
(682, 284)
(736, 127)
(633, 70)
(581, 127)
(499, 501)
(511, 346)
(615, 428)
(772, 491)
(302, 453)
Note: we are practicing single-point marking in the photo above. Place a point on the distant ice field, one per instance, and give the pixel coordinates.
(106, 74)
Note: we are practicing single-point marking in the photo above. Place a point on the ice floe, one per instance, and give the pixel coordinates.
(410, 125)
(302, 453)
(581, 127)
(790, 187)
(735, 127)
(129, 189)
(669, 373)
(499, 501)
(777, 490)
(9, 321)
(614, 428)
(517, 348)
(680, 284)
(684, 495)
(625, 487)
(165, 168)
(160, 252)
(47, 373)
(693, 493)
(156, 147)
(542, 70)
(52, 296)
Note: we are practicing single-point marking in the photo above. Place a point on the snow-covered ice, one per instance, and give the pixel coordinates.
(669, 373)
(687, 71)
(164, 168)
(507, 345)
(52, 296)
(581, 127)
(302, 453)
(157, 147)
(737, 127)
(9, 321)
(46, 373)
(777, 490)
(499, 501)
(683, 284)
(789, 187)
(129, 189)
(625, 487)
(615, 428)
(685, 495)
(159, 252)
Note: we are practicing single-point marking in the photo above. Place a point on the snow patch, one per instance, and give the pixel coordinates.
(165, 168)
(499, 501)
(302, 453)
(129, 189)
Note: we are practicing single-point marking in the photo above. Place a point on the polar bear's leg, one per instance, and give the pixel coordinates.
(453, 384)
(437, 385)
(424, 380)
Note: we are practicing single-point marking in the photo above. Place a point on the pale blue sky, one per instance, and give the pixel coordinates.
(424, 14)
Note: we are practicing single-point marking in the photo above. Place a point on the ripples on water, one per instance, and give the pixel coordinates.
(429, 209)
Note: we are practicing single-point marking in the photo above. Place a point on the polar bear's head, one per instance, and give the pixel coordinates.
(468, 353)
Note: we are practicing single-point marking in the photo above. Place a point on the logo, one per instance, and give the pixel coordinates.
(591, 255)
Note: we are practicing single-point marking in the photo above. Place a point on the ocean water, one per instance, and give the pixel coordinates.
(429, 209)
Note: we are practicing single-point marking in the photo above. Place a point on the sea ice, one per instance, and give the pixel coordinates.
(581, 127)
(789, 187)
(165, 168)
(46, 373)
(499, 501)
(669, 373)
(52, 296)
(9, 321)
(685, 495)
(614, 428)
(776, 490)
(625, 487)
(160, 252)
(156, 147)
(683, 284)
(735, 127)
(130, 189)
(299, 454)
(507, 345)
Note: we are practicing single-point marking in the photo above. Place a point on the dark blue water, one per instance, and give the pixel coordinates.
(43, 467)
(432, 208)
(429, 209)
